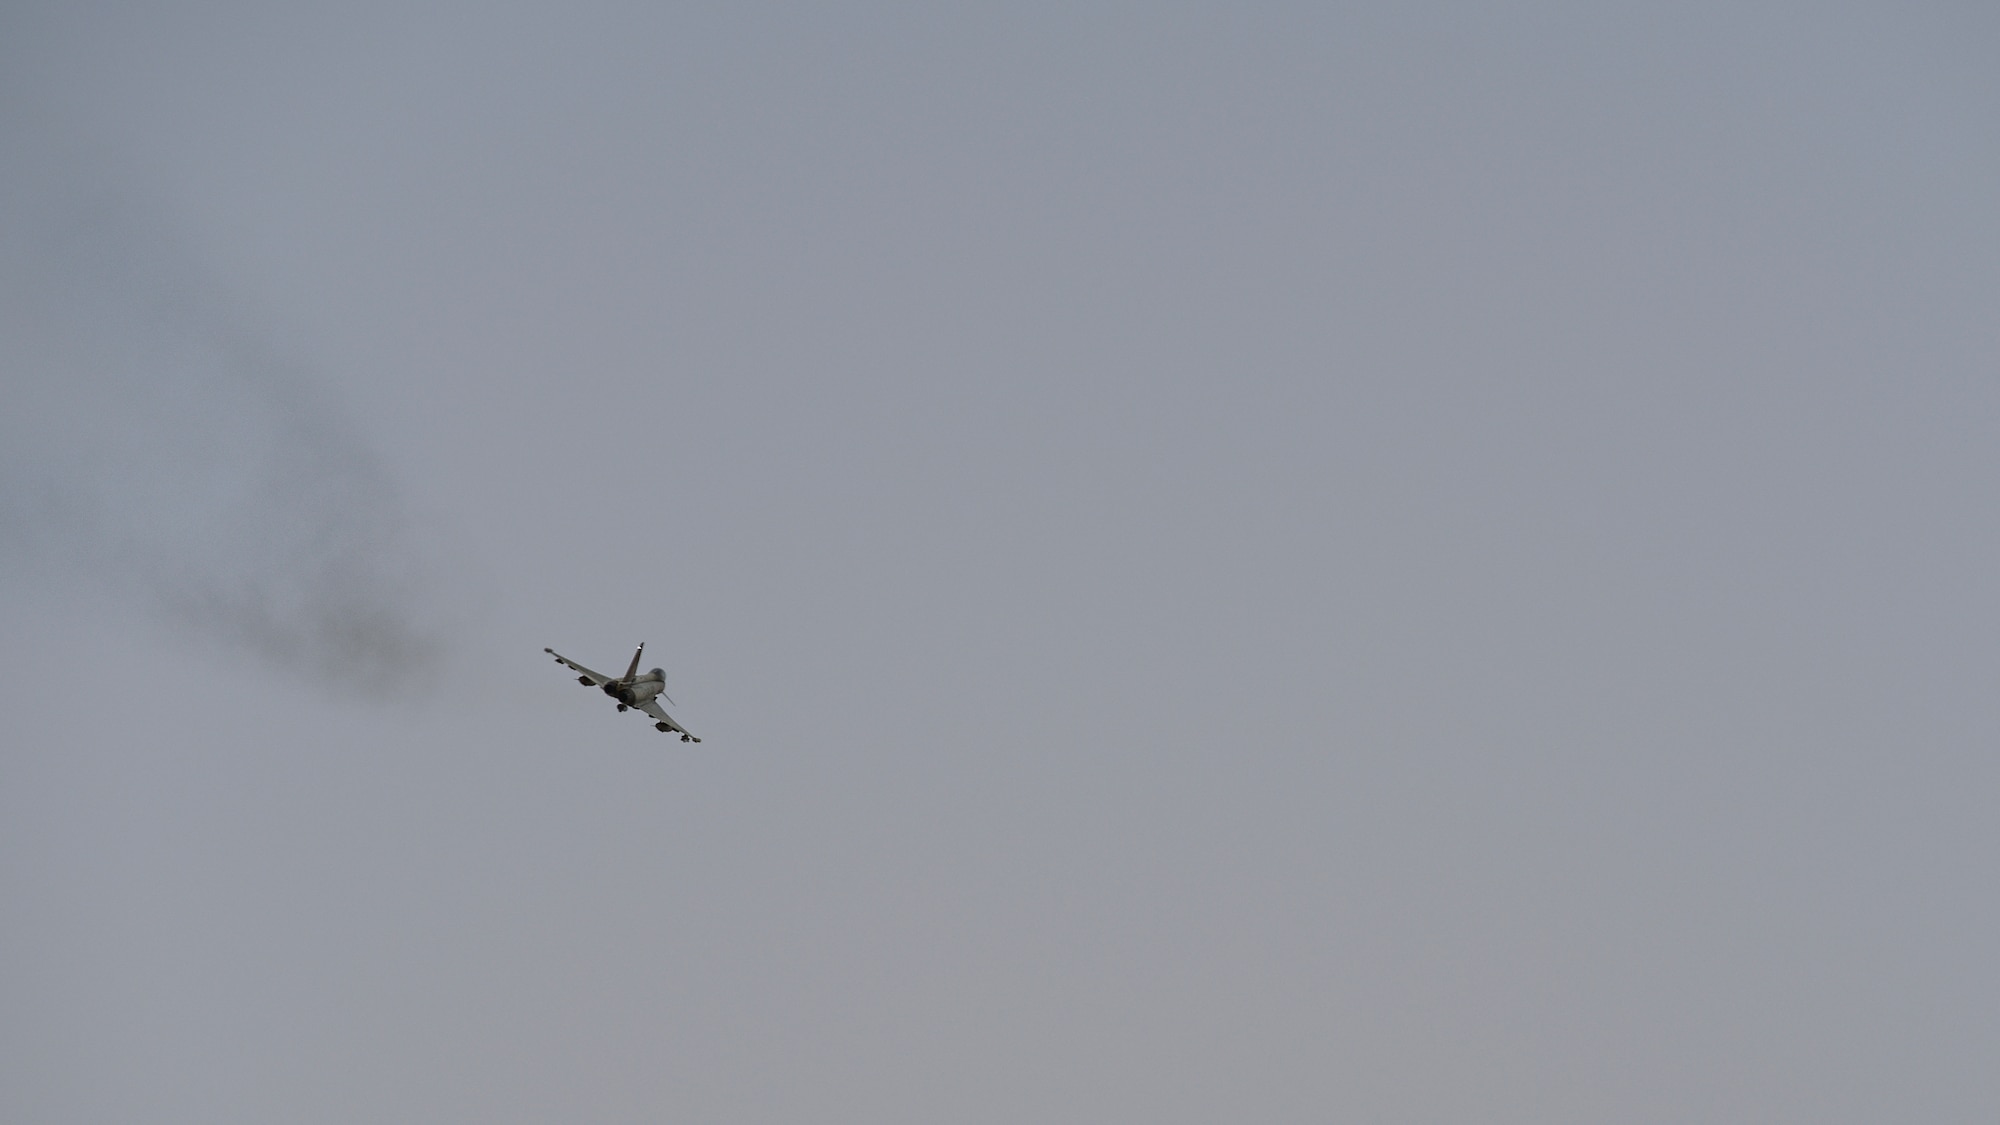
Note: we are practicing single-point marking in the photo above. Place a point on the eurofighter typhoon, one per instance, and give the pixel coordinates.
(632, 690)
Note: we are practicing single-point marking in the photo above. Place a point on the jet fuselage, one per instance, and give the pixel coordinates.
(642, 690)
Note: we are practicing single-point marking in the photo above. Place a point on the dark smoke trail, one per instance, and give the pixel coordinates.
(155, 443)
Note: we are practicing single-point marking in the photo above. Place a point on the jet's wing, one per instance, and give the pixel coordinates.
(597, 678)
(652, 707)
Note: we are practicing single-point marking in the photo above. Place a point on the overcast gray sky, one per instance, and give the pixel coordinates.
(1262, 561)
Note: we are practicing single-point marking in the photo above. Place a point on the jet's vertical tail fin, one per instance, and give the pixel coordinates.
(634, 669)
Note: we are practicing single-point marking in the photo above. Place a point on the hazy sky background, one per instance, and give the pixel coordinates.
(1271, 562)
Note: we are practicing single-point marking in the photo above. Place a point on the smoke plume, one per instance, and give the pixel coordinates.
(158, 445)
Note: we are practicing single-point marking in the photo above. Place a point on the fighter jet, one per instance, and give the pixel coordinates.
(631, 690)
